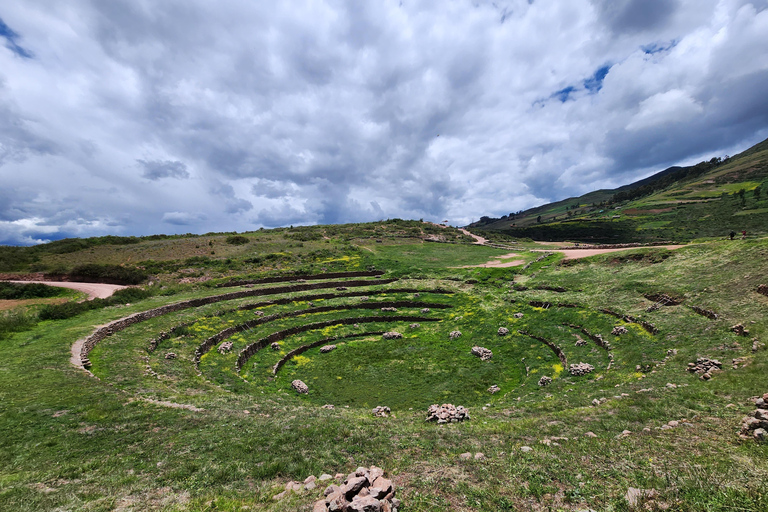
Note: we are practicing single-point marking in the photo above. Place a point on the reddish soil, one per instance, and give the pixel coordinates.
(94, 290)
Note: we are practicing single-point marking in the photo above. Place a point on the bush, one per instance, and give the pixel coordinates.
(114, 274)
(14, 291)
(238, 240)
(15, 321)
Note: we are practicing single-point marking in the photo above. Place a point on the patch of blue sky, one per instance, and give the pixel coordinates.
(11, 43)
(653, 48)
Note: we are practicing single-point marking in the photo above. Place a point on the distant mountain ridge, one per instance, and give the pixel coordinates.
(708, 199)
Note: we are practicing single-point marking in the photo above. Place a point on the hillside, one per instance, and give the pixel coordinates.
(180, 394)
(709, 199)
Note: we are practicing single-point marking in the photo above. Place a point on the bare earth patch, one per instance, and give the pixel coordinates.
(497, 262)
(94, 290)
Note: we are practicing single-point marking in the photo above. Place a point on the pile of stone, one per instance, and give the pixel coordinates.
(225, 347)
(259, 313)
(580, 342)
(447, 413)
(755, 426)
(619, 330)
(705, 367)
(518, 315)
(763, 289)
(454, 334)
(170, 355)
(275, 346)
(390, 310)
(414, 326)
(365, 490)
(381, 411)
(580, 369)
(545, 381)
(740, 330)
(483, 353)
(341, 288)
(425, 310)
(392, 335)
(494, 389)
(503, 331)
(300, 387)
(327, 348)
(757, 345)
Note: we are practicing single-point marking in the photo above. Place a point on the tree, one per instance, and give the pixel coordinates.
(756, 193)
(538, 219)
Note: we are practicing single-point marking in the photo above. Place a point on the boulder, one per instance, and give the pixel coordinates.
(503, 331)
(483, 353)
(300, 387)
(392, 335)
(327, 348)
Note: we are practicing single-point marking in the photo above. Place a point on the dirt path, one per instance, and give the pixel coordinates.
(497, 263)
(478, 239)
(574, 254)
(94, 290)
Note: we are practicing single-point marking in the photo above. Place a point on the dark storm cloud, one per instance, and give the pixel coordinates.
(157, 169)
(250, 114)
(636, 15)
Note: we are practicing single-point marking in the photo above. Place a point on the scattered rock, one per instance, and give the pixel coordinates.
(414, 326)
(225, 347)
(740, 330)
(590, 434)
(483, 353)
(635, 497)
(425, 310)
(479, 456)
(365, 490)
(275, 346)
(327, 348)
(763, 289)
(447, 413)
(580, 369)
(465, 456)
(526, 449)
(619, 330)
(259, 313)
(381, 411)
(739, 362)
(328, 406)
(494, 389)
(518, 315)
(503, 331)
(392, 335)
(755, 426)
(300, 387)
(390, 310)
(545, 381)
(324, 477)
(170, 355)
(756, 345)
(454, 334)
(704, 367)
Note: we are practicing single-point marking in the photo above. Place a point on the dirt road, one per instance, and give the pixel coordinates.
(94, 290)
(478, 239)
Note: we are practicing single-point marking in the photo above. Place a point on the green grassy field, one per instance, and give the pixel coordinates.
(150, 432)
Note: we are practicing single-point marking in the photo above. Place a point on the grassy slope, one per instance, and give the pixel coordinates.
(705, 206)
(72, 442)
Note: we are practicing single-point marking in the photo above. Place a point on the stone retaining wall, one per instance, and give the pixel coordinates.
(557, 350)
(220, 336)
(254, 347)
(119, 325)
(298, 351)
(306, 277)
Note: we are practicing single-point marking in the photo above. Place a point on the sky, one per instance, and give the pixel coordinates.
(137, 117)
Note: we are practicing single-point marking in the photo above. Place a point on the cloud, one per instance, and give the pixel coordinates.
(11, 41)
(156, 169)
(185, 116)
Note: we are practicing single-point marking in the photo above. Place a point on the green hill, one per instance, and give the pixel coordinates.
(709, 199)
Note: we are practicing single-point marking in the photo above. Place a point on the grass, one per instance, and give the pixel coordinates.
(72, 442)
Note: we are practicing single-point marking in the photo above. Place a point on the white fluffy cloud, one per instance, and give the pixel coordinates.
(138, 117)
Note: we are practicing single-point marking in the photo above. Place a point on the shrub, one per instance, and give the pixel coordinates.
(14, 291)
(238, 240)
(115, 274)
